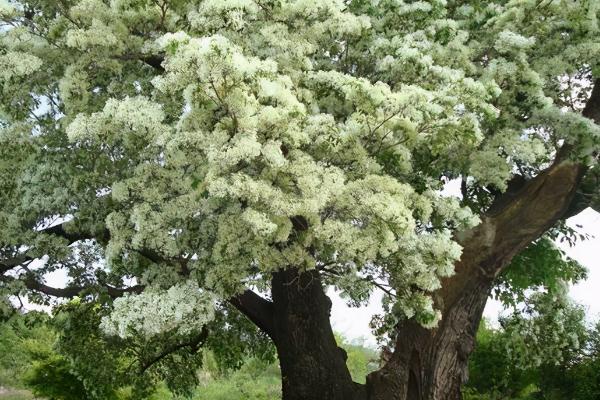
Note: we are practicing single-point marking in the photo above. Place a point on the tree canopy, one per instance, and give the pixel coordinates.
(175, 156)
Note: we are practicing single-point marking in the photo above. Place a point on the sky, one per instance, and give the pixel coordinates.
(353, 323)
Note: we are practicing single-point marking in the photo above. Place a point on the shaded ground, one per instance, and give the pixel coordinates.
(11, 394)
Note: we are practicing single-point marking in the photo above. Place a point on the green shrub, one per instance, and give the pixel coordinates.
(50, 377)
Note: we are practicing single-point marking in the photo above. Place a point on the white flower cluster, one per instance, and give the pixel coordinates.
(98, 34)
(18, 64)
(509, 41)
(182, 309)
(420, 307)
(7, 10)
(134, 121)
(574, 128)
(232, 14)
(550, 326)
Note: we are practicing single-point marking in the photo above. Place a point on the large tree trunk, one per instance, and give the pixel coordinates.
(313, 367)
(432, 364)
(426, 364)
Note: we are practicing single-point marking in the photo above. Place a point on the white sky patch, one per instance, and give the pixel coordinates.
(587, 253)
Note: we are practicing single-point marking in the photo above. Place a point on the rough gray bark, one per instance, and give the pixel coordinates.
(313, 367)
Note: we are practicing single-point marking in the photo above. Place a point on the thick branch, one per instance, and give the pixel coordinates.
(503, 232)
(592, 107)
(521, 216)
(193, 344)
(253, 306)
(60, 230)
(261, 311)
(256, 309)
(72, 291)
(154, 61)
(588, 194)
(65, 231)
(10, 263)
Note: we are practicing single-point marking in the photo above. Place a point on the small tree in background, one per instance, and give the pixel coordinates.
(546, 352)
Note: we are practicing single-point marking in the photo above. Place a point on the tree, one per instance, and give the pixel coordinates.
(550, 353)
(22, 339)
(175, 155)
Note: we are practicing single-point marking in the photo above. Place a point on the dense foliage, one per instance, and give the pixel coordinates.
(246, 130)
(170, 157)
(23, 340)
(495, 372)
(52, 366)
(499, 368)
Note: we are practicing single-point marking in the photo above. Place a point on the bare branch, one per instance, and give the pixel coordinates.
(72, 291)
(193, 344)
(64, 230)
(257, 309)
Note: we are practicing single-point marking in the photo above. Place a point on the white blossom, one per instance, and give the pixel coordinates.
(183, 309)
(17, 64)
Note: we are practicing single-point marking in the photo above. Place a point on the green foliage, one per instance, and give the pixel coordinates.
(66, 366)
(578, 377)
(494, 374)
(50, 377)
(106, 364)
(12, 361)
(541, 264)
(361, 360)
(23, 339)
(29, 343)
(234, 339)
(550, 329)
(82, 362)
(68, 357)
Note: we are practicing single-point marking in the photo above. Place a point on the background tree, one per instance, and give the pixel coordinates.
(22, 338)
(192, 154)
(548, 354)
